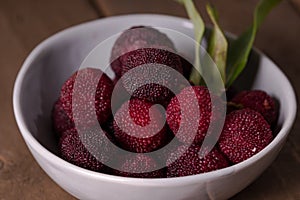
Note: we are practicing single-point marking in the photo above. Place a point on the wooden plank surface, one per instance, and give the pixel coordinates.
(24, 23)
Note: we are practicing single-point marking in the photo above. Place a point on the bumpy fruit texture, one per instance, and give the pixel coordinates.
(175, 119)
(259, 101)
(153, 59)
(138, 128)
(135, 38)
(88, 149)
(119, 95)
(60, 120)
(92, 95)
(139, 166)
(187, 161)
(139, 46)
(164, 152)
(245, 133)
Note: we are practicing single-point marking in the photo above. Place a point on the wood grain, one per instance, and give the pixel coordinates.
(23, 24)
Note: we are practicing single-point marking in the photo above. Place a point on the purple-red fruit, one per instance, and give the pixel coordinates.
(152, 67)
(139, 128)
(135, 38)
(164, 152)
(89, 149)
(259, 101)
(60, 120)
(89, 100)
(187, 161)
(139, 166)
(245, 133)
(177, 118)
(119, 95)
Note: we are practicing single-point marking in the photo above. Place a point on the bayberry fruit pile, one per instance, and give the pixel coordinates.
(141, 127)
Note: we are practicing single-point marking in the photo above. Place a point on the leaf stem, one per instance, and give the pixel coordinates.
(199, 28)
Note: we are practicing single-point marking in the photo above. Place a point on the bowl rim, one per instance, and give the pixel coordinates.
(33, 143)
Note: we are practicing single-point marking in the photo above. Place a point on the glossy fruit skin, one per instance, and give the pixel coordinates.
(245, 133)
(205, 107)
(134, 120)
(93, 97)
(139, 166)
(186, 161)
(89, 149)
(259, 101)
(135, 38)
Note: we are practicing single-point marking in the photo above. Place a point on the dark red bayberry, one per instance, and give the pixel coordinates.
(139, 166)
(187, 161)
(245, 133)
(175, 118)
(259, 101)
(139, 128)
(60, 120)
(119, 95)
(135, 38)
(90, 150)
(152, 61)
(164, 152)
(93, 97)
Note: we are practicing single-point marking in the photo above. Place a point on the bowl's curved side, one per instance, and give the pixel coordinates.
(50, 61)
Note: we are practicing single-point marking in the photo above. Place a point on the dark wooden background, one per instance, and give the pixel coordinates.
(25, 23)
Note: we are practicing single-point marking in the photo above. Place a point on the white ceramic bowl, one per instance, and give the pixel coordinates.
(54, 60)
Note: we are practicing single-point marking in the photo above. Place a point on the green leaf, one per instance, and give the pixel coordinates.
(217, 47)
(240, 49)
(199, 28)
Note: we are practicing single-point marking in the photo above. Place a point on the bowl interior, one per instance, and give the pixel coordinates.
(52, 62)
